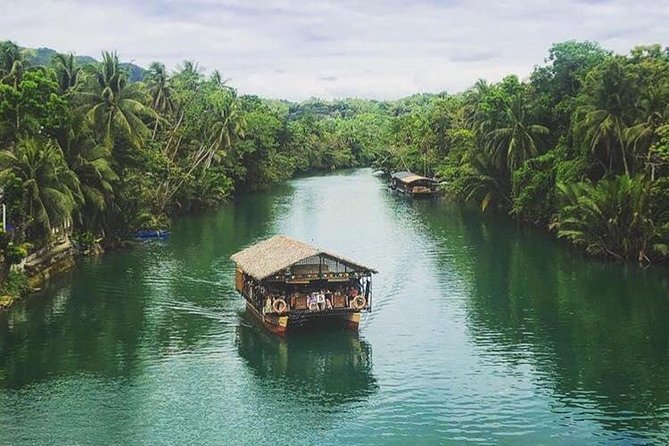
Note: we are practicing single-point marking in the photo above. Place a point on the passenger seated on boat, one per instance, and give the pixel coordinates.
(312, 301)
(320, 300)
(328, 299)
(299, 302)
(268, 305)
(339, 300)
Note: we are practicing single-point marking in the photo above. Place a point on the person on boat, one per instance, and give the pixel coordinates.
(320, 300)
(312, 301)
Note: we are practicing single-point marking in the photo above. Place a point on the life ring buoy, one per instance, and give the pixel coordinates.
(358, 303)
(280, 306)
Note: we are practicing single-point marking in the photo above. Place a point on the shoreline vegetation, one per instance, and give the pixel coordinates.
(97, 149)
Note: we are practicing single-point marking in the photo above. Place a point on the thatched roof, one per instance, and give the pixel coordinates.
(278, 253)
(409, 177)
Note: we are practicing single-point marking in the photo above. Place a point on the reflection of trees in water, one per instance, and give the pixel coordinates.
(596, 332)
(330, 367)
(63, 335)
(201, 282)
(235, 225)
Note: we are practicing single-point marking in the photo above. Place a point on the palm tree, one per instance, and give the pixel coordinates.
(160, 90)
(112, 105)
(51, 190)
(228, 124)
(611, 217)
(604, 119)
(12, 63)
(91, 163)
(67, 71)
(473, 114)
(188, 76)
(486, 183)
(216, 78)
(517, 142)
(653, 111)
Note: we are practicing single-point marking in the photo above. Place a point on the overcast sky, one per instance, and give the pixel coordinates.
(370, 48)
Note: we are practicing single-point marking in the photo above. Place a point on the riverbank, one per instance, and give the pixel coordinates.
(35, 271)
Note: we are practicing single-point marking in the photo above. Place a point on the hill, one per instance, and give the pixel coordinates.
(44, 56)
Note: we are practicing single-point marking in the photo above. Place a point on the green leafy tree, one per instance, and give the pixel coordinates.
(51, 191)
(518, 140)
(32, 108)
(112, 106)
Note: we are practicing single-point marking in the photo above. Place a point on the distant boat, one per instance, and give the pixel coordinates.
(413, 185)
(152, 234)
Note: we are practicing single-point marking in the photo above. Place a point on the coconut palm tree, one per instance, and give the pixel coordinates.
(91, 162)
(653, 109)
(486, 183)
(518, 141)
(160, 91)
(112, 106)
(604, 118)
(473, 114)
(228, 124)
(216, 78)
(67, 71)
(160, 88)
(51, 190)
(12, 63)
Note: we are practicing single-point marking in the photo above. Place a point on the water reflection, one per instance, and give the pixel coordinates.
(596, 332)
(331, 367)
(64, 335)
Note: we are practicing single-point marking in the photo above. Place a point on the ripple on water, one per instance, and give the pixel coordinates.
(480, 333)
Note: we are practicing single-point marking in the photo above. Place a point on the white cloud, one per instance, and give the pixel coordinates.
(374, 48)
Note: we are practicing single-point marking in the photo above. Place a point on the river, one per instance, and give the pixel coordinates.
(482, 332)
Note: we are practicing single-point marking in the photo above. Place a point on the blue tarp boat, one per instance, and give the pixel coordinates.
(151, 233)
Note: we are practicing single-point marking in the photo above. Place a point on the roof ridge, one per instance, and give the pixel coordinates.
(279, 252)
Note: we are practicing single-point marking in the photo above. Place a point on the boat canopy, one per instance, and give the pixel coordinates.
(279, 253)
(410, 177)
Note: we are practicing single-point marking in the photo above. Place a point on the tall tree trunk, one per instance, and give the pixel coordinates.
(155, 129)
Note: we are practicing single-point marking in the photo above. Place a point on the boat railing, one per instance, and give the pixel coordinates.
(315, 304)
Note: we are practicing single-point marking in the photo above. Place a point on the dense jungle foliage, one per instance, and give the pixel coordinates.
(580, 148)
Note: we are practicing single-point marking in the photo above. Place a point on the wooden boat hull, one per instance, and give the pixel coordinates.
(416, 194)
(282, 324)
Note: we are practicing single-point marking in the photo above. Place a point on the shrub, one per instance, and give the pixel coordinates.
(613, 217)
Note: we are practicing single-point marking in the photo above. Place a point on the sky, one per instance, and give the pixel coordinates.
(381, 49)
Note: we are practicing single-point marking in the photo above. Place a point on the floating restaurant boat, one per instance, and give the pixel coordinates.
(289, 284)
(413, 185)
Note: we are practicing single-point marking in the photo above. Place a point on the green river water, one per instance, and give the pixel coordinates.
(482, 332)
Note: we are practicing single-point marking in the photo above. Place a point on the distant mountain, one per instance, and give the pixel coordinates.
(44, 56)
